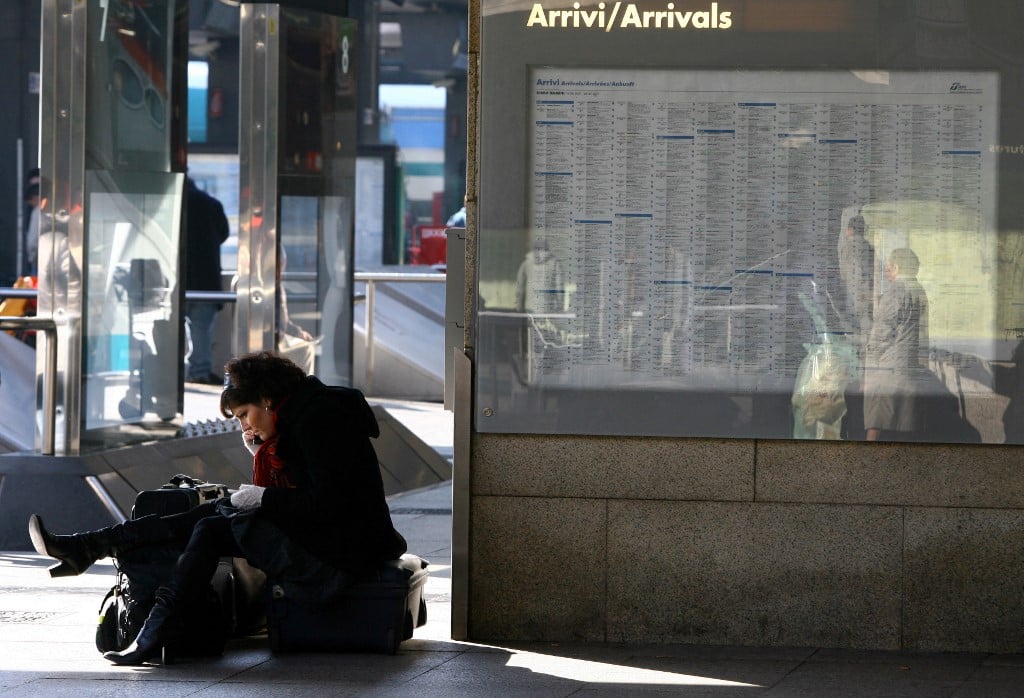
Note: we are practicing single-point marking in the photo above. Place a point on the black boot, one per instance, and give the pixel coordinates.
(78, 551)
(163, 625)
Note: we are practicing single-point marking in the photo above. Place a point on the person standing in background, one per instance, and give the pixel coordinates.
(896, 355)
(857, 271)
(206, 229)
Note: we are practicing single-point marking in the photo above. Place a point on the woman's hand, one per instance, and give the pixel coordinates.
(249, 439)
(247, 497)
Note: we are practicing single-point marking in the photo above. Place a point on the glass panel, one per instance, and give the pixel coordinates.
(316, 181)
(198, 96)
(132, 326)
(298, 319)
(689, 245)
(296, 196)
(370, 205)
(334, 288)
(316, 235)
(129, 86)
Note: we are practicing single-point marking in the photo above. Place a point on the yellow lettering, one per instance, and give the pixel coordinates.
(537, 16)
(631, 18)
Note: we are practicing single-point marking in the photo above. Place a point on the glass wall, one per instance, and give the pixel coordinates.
(132, 344)
(132, 352)
(296, 204)
(131, 76)
(111, 157)
(795, 222)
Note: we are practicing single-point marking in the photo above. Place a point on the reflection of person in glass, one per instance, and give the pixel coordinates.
(856, 269)
(60, 278)
(897, 351)
(294, 341)
(60, 284)
(31, 231)
(540, 283)
(540, 292)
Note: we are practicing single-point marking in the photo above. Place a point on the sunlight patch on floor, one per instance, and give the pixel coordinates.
(600, 672)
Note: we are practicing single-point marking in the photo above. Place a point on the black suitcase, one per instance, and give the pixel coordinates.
(375, 613)
(209, 622)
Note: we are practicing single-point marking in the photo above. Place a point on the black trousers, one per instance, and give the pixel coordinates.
(205, 536)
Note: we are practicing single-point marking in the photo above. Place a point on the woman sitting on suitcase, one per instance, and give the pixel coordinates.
(316, 480)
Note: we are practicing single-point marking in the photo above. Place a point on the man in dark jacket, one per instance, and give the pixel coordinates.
(206, 229)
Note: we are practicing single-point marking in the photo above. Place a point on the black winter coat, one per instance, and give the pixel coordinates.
(206, 230)
(337, 511)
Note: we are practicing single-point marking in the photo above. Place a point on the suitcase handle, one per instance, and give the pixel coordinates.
(181, 480)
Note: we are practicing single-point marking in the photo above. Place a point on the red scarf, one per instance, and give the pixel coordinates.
(268, 470)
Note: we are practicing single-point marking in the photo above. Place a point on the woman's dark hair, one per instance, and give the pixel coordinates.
(252, 378)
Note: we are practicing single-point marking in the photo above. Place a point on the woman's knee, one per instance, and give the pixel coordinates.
(214, 533)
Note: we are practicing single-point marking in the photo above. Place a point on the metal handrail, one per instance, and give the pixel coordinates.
(49, 328)
(18, 293)
(371, 278)
(200, 296)
(209, 296)
(398, 276)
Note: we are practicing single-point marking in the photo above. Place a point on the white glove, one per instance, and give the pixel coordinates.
(247, 497)
(248, 438)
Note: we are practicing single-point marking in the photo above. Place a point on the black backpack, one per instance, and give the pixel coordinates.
(208, 622)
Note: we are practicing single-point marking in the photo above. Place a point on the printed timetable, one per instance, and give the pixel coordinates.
(696, 214)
